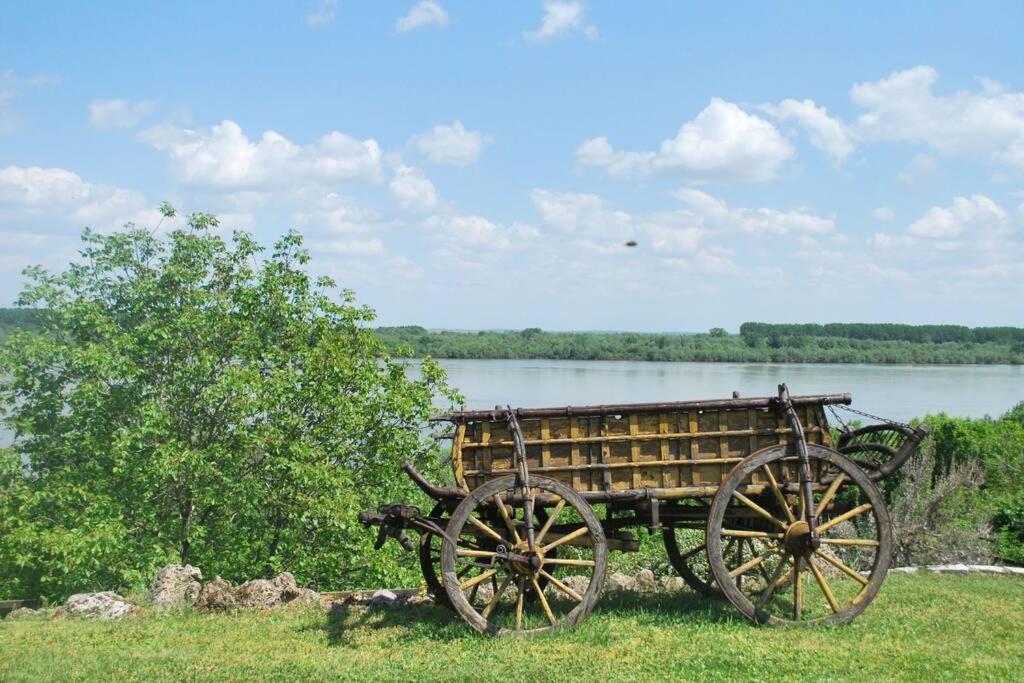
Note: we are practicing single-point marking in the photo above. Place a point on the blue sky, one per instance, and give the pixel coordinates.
(480, 165)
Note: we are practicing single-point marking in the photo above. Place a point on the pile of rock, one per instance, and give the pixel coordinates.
(178, 586)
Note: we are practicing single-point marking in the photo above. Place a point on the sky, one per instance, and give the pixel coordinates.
(476, 165)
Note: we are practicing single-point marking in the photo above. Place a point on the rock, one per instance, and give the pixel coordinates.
(105, 605)
(484, 593)
(258, 594)
(383, 599)
(216, 595)
(950, 568)
(578, 583)
(672, 584)
(621, 582)
(645, 581)
(302, 597)
(421, 599)
(175, 586)
(903, 570)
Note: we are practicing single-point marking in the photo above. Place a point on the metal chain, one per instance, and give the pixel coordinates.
(863, 414)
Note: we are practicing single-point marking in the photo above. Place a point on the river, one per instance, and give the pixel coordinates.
(894, 391)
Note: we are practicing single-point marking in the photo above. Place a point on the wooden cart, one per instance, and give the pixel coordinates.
(753, 498)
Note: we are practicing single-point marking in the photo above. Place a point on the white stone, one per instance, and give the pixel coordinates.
(174, 586)
(105, 605)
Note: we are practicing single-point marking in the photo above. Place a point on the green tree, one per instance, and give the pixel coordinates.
(184, 400)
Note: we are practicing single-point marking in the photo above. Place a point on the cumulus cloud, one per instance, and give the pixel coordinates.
(986, 124)
(225, 158)
(423, 13)
(973, 216)
(411, 189)
(717, 215)
(723, 142)
(323, 14)
(118, 113)
(827, 133)
(62, 195)
(451, 145)
(334, 215)
(562, 18)
(458, 230)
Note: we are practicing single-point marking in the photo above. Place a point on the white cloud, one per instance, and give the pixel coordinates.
(58, 194)
(119, 113)
(562, 18)
(986, 124)
(723, 143)
(323, 14)
(333, 214)
(451, 145)
(920, 169)
(411, 189)
(225, 158)
(883, 214)
(716, 215)
(971, 217)
(465, 230)
(827, 133)
(423, 13)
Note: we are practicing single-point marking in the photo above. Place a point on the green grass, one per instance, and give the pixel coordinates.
(919, 628)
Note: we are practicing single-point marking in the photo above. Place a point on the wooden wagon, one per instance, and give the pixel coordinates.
(753, 497)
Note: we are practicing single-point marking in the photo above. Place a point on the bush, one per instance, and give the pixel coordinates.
(183, 401)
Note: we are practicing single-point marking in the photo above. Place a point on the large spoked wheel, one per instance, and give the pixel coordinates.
(782, 579)
(487, 544)
(430, 558)
(687, 553)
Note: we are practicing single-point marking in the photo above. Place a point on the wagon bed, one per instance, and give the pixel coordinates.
(674, 450)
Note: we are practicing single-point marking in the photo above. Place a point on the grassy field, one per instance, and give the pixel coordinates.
(919, 628)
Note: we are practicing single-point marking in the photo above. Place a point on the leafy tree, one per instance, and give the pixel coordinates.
(185, 401)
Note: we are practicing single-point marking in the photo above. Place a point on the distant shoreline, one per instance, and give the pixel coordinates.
(757, 343)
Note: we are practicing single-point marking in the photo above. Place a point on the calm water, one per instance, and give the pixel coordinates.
(897, 391)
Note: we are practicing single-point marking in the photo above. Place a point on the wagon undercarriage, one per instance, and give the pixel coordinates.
(751, 498)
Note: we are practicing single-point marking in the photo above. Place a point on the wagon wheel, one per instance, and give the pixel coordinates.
(430, 558)
(788, 582)
(514, 569)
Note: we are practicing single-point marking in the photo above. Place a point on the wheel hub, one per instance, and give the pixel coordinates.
(797, 538)
(533, 563)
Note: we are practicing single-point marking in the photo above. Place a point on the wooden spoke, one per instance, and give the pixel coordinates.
(479, 578)
(766, 594)
(750, 564)
(743, 533)
(824, 585)
(562, 587)
(486, 529)
(829, 494)
(551, 520)
(843, 517)
(543, 600)
(758, 509)
(508, 522)
(798, 589)
(843, 567)
(850, 541)
(690, 553)
(521, 587)
(465, 552)
(582, 531)
(778, 493)
(496, 597)
(568, 562)
(465, 570)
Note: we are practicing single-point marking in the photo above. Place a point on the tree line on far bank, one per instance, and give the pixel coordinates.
(756, 343)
